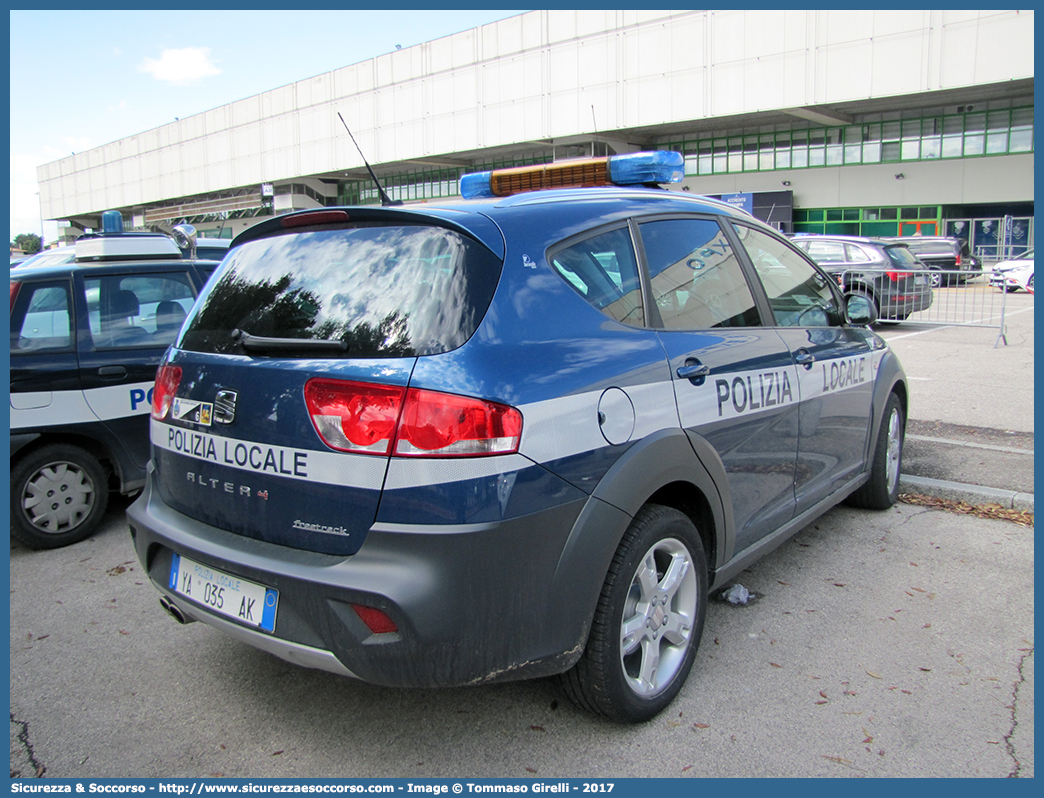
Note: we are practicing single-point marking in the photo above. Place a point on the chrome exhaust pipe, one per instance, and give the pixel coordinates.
(174, 611)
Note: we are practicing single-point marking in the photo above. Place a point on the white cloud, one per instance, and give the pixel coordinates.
(181, 67)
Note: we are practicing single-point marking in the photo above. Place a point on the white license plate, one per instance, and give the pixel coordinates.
(226, 595)
(919, 279)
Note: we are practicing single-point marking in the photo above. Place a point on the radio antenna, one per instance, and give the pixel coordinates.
(385, 199)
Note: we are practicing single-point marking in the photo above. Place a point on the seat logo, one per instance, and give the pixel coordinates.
(225, 407)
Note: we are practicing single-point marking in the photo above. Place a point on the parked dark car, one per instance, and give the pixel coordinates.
(950, 259)
(884, 271)
(86, 337)
(513, 436)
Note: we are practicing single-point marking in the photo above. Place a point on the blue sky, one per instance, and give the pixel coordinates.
(80, 79)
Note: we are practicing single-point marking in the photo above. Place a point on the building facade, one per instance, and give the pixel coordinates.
(866, 122)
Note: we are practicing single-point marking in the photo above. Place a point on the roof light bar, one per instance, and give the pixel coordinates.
(638, 168)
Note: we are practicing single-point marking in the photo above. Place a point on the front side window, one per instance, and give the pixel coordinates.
(800, 295)
(137, 310)
(697, 282)
(604, 271)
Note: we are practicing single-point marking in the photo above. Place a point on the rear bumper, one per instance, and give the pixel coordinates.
(473, 603)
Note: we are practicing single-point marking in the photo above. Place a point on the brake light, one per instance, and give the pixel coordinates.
(896, 276)
(314, 217)
(167, 380)
(14, 293)
(440, 424)
(354, 416)
(378, 419)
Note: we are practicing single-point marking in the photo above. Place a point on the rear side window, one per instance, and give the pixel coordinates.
(604, 271)
(41, 318)
(382, 290)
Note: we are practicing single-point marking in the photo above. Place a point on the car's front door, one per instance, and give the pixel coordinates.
(836, 364)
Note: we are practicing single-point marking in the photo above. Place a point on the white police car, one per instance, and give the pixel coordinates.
(86, 338)
(517, 435)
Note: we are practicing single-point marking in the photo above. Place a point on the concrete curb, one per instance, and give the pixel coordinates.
(973, 494)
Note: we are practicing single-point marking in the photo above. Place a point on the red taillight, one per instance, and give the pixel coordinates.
(897, 276)
(354, 416)
(14, 293)
(167, 380)
(441, 424)
(379, 419)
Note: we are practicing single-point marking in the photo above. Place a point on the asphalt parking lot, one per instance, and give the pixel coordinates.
(889, 644)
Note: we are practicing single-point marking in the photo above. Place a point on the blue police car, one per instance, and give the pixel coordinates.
(86, 337)
(518, 435)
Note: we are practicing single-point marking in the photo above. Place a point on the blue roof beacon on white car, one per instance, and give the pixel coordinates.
(517, 435)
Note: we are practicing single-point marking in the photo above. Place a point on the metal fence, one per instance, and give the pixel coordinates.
(956, 300)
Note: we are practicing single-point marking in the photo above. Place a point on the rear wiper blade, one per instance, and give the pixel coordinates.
(260, 343)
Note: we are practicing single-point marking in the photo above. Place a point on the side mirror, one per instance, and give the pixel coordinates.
(185, 238)
(860, 310)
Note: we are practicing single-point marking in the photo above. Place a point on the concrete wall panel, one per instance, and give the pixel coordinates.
(539, 74)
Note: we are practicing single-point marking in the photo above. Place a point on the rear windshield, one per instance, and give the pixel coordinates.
(383, 290)
(901, 256)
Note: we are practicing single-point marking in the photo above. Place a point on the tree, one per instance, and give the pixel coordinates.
(29, 243)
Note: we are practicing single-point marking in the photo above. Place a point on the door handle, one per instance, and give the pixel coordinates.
(694, 371)
(112, 372)
(804, 358)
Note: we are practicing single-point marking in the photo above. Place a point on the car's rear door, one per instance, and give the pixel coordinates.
(133, 314)
(45, 379)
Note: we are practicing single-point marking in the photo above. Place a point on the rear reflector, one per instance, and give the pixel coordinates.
(376, 621)
(367, 418)
(14, 293)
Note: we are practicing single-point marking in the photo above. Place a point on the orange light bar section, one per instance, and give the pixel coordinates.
(581, 173)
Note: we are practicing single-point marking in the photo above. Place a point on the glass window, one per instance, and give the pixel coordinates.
(824, 251)
(40, 318)
(137, 310)
(604, 271)
(800, 295)
(1021, 141)
(697, 282)
(375, 290)
(856, 254)
(952, 146)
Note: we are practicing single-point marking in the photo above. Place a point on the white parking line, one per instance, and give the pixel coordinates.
(991, 447)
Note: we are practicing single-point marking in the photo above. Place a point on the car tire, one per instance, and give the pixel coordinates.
(648, 622)
(882, 489)
(1029, 284)
(59, 493)
(935, 278)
